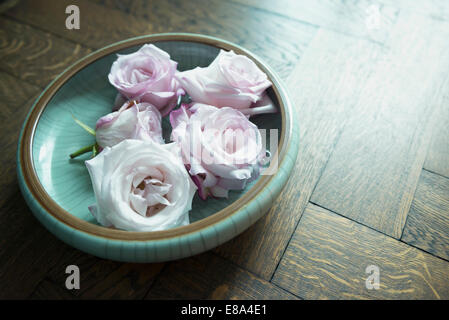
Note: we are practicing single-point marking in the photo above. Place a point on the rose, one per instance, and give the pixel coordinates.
(141, 186)
(231, 80)
(133, 120)
(148, 76)
(221, 148)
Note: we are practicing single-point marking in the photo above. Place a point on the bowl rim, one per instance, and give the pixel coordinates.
(37, 191)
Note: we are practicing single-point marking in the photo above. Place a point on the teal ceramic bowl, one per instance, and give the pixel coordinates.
(59, 191)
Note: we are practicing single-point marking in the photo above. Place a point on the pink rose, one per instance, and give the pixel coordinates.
(133, 120)
(231, 80)
(220, 147)
(141, 186)
(147, 76)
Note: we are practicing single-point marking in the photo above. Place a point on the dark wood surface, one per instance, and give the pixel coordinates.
(370, 185)
(428, 219)
(328, 255)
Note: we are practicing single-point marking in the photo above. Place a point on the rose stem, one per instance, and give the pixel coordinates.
(81, 151)
(94, 151)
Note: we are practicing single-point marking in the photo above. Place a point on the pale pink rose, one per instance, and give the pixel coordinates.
(141, 186)
(221, 148)
(133, 120)
(231, 80)
(147, 76)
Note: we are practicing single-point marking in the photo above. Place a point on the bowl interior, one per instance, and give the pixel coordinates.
(88, 96)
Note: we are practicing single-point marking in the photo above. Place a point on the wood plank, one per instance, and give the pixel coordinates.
(248, 27)
(427, 224)
(13, 115)
(437, 159)
(17, 97)
(33, 55)
(328, 256)
(373, 172)
(29, 253)
(103, 279)
(15, 94)
(6, 4)
(362, 18)
(324, 87)
(27, 249)
(435, 9)
(95, 21)
(18, 227)
(47, 290)
(210, 277)
(243, 25)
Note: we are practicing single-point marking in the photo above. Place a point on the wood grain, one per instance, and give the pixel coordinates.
(7, 4)
(209, 277)
(18, 227)
(328, 256)
(361, 18)
(437, 159)
(33, 55)
(427, 224)
(95, 21)
(17, 97)
(102, 279)
(435, 9)
(373, 172)
(27, 249)
(15, 94)
(47, 290)
(324, 88)
(243, 25)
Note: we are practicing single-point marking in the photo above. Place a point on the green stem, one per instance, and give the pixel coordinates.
(81, 151)
(94, 150)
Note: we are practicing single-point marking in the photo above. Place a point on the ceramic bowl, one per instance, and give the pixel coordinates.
(58, 190)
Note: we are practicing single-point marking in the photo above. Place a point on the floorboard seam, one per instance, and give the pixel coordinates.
(156, 277)
(310, 196)
(251, 273)
(29, 296)
(312, 24)
(371, 228)
(438, 174)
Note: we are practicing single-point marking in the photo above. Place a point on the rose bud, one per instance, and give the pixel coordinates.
(133, 120)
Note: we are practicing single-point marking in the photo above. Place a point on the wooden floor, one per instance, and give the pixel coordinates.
(370, 83)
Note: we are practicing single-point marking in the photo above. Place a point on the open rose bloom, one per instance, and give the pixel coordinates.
(141, 186)
(231, 80)
(221, 148)
(146, 76)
